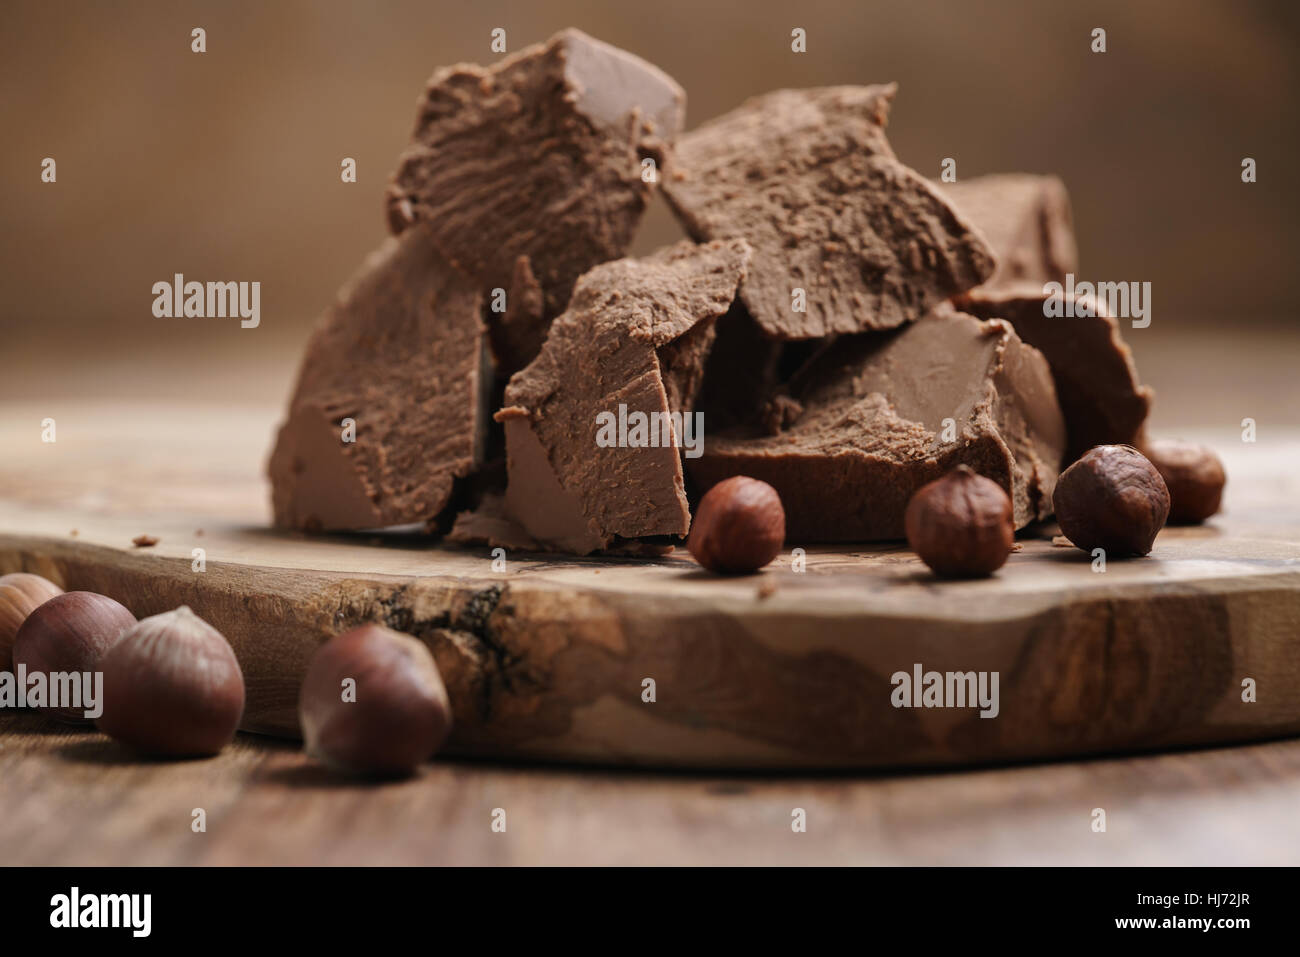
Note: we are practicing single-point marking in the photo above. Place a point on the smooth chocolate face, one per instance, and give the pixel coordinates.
(1096, 380)
(634, 338)
(869, 428)
(1027, 221)
(845, 237)
(611, 85)
(538, 156)
(401, 355)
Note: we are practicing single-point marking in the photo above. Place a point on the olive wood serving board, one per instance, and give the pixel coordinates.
(548, 657)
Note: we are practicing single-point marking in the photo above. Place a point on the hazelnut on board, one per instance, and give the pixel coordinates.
(1194, 476)
(1113, 499)
(962, 525)
(739, 526)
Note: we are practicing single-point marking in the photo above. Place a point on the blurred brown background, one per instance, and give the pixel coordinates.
(225, 165)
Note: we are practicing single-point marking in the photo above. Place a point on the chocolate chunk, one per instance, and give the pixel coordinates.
(539, 155)
(808, 178)
(628, 349)
(402, 355)
(1027, 221)
(1096, 381)
(870, 428)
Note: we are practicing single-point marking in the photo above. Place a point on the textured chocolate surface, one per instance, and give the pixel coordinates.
(631, 336)
(808, 178)
(401, 353)
(1027, 221)
(1096, 380)
(866, 428)
(539, 156)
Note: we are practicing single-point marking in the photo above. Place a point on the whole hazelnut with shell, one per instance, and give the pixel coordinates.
(961, 525)
(20, 595)
(1194, 476)
(738, 527)
(172, 687)
(373, 702)
(70, 634)
(1112, 498)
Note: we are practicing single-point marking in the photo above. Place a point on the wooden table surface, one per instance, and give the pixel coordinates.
(73, 797)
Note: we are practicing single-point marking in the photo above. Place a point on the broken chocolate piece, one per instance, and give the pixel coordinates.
(492, 525)
(622, 359)
(1096, 380)
(869, 428)
(402, 355)
(1027, 221)
(539, 155)
(808, 178)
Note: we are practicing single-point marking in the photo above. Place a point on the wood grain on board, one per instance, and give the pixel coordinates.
(547, 658)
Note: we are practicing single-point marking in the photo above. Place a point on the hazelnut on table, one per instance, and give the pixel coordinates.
(72, 633)
(172, 687)
(20, 595)
(373, 702)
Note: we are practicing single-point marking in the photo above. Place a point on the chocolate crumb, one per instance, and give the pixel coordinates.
(780, 412)
(144, 541)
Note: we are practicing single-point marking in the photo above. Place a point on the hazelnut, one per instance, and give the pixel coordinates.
(738, 527)
(962, 525)
(20, 595)
(1194, 476)
(1113, 499)
(70, 633)
(172, 687)
(373, 702)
